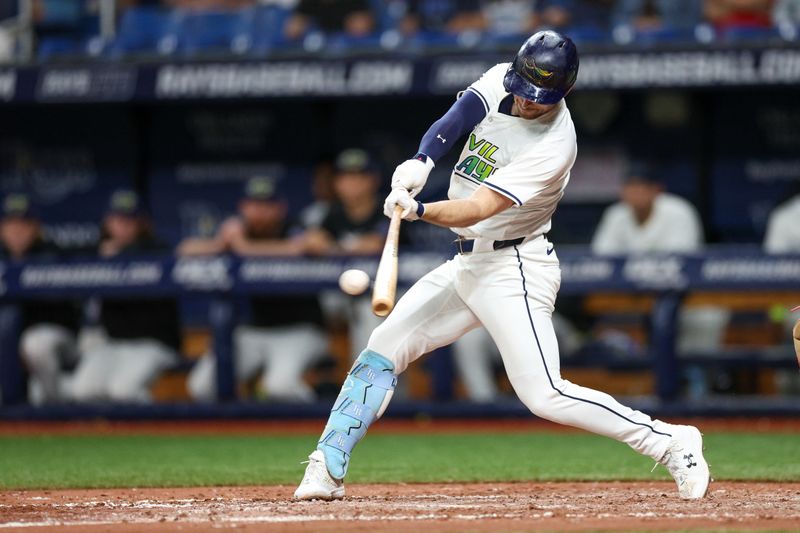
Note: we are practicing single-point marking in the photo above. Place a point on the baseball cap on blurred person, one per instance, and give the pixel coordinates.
(18, 205)
(641, 172)
(125, 202)
(261, 188)
(355, 160)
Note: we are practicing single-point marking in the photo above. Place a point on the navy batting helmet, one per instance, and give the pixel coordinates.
(544, 69)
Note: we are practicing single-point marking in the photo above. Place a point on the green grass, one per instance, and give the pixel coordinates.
(162, 461)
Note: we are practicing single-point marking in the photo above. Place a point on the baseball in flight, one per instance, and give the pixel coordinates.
(354, 281)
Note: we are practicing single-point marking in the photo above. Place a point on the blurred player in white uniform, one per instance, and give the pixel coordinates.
(783, 237)
(783, 228)
(649, 220)
(504, 189)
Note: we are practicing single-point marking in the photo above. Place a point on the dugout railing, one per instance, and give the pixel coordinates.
(667, 280)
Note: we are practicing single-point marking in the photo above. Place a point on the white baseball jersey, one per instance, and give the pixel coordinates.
(673, 226)
(783, 229)
(527, 161)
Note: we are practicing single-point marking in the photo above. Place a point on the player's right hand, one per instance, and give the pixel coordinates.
(401, 198)
(411, 175)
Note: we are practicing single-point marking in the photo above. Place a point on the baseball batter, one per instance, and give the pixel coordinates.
(510, 176)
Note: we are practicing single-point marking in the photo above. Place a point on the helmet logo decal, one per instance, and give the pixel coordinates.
(534, 70)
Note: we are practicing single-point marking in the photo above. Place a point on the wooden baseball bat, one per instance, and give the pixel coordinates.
(385, 287)
(796, 336)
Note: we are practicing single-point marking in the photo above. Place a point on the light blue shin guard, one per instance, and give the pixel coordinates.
(365, 394)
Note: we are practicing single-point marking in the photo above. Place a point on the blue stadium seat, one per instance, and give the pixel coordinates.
(342, 42)
(260, 30)
(141, 31)
(209, 31)
(491, 40)
(739, 34)
(388, 13)
(664, 35)
(432, 40)
(50, 48)
(587, 34)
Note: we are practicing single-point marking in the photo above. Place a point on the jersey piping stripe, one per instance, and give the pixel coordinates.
(490, 185)
(483, 98)
(547, 370)
(503, 192)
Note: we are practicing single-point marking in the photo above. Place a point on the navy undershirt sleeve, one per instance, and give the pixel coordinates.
(462, 117)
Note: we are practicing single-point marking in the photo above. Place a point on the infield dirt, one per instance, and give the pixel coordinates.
(484, 507)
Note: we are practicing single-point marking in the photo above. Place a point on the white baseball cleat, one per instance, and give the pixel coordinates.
(684, 460)
(317, 483)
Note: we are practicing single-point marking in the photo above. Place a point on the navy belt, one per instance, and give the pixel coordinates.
(464, 246)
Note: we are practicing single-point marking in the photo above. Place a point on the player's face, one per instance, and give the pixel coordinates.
(18, 234)
(355, 186)
(640, 196)
(123, 228)
(259, 214)
(528, 109)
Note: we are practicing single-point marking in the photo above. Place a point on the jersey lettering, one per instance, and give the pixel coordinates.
(482, 165)
(473, 143)
(487, 151)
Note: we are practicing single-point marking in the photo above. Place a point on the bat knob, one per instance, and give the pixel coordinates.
(382, 307)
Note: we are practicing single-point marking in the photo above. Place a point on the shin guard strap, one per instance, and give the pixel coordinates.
(340, 441)
(361, 412)
(384, 380)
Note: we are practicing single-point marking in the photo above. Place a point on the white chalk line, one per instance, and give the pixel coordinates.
(356, 518)
(269, 519)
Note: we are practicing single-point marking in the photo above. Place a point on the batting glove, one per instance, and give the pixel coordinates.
(412, 209)
(412, 174)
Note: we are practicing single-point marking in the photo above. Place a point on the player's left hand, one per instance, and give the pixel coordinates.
(400, 197)
(411, 175)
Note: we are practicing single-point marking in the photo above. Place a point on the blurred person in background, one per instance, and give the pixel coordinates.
(783, 228)
(21, 231)
(649, 220)
(783, 237)
(130, 340)
(652, 15)
(576, 14)
(47, 344)
(352, 17)
(786, 12)
(284, 336)
(442, 16)
(727, 14)
(354, 225)
(323, 195)
(260, 227)
(8, 9)
(509, 17)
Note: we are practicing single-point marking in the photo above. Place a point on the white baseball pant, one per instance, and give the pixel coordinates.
(120, 370)
(511, 292)
(282, 354)
(46, 349)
